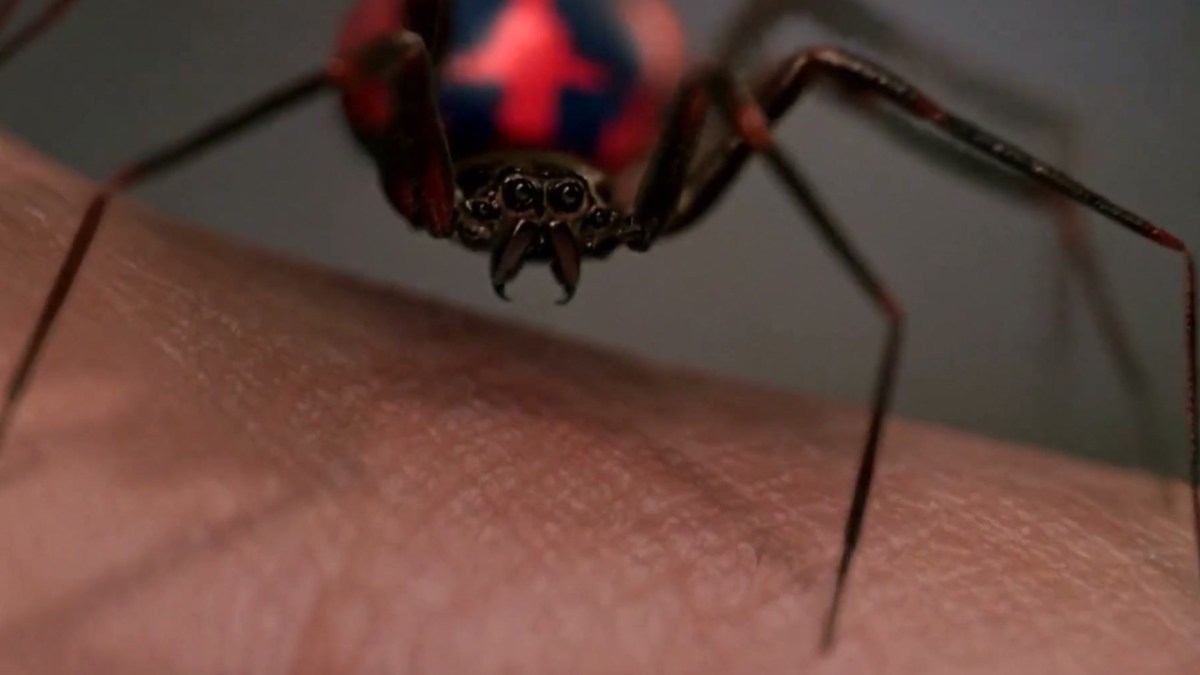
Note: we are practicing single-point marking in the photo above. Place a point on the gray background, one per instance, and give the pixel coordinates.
(752, 293)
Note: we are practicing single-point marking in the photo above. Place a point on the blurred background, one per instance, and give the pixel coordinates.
(752, 293)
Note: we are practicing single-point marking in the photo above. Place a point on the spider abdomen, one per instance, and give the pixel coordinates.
(584, 77)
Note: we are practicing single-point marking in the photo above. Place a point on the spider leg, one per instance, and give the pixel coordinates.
(670, 166)
(751, 119)
(743, 113)
(390, 58)
(746, 31)
(50, 15)
(772, 93)
(1078, 257)
(741, 43)
(861, 75)
(744, 35)
(414, 161)
(672, 196)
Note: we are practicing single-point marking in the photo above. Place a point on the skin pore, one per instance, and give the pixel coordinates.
(230, 462)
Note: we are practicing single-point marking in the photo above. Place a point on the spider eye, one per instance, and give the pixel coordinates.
(482, 210)
(598, 219)
(567, 197)
(520, 194)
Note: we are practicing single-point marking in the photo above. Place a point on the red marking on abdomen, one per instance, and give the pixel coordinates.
(659, 41)
(529, 54)
(626, 138)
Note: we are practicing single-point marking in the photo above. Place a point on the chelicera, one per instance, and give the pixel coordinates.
(504, 125)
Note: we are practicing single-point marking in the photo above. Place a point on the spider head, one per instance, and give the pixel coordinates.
(539, 207)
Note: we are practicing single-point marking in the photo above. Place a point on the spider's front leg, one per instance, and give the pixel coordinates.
(419, 181)
(413, 154)
(687, 194)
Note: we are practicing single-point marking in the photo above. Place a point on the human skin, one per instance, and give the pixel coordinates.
(233, 463)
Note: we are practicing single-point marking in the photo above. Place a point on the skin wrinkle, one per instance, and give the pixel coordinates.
(20, 637)
(359, 483)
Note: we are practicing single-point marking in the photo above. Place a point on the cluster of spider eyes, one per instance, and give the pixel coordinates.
(567, 197)
(520, 194)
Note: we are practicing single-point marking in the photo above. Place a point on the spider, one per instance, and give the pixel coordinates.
(501, 125)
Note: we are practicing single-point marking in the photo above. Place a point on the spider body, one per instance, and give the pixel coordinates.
(539, 101)
(584, 77)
